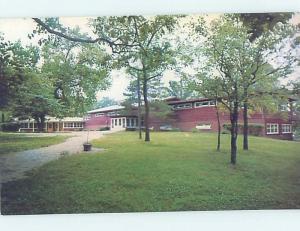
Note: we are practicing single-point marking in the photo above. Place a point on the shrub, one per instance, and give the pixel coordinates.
(131, 129)
(104, 129)
(254, 129)
(10, 127)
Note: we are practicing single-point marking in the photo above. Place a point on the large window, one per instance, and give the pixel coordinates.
(272, 129)
(204, 103)
(182, 106)
(286, 128)
(24, 125)
(73, 125)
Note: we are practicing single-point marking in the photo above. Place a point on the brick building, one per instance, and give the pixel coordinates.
(188, 115)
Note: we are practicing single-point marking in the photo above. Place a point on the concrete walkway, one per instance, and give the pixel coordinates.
(14, 165)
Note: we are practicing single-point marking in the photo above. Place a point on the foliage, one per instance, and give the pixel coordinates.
(259, 23)
(254, 129)
(76, 72)
(36, 100)
(241, 67)
(175, 172)
(149, 53)
(105, 102)
(15, 63)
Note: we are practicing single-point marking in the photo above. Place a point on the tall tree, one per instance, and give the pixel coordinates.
(242, 64)
(208, 86)
(105, 102)
(15, 62)
(258, 25)
(78, 72)
(150, 53)
(36, 100)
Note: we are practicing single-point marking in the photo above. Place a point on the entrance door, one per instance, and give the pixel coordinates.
(118, 123)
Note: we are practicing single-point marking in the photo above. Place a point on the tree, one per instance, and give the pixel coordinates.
(135, 38)
(259, 25)
(208, 86)
(150, 53)
(181, 89)
(77, 71)
(241, 64)
(105, 102)
(15, 63)
(36, 99)
(134, 94)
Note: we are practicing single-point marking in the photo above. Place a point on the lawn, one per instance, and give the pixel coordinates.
(174, 172)
(18, 142)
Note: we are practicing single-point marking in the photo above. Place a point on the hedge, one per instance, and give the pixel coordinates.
(254, 129)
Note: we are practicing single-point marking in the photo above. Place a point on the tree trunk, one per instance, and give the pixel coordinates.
(245, 118)
(139, 107)
(219, 127)
(146, 105)
(234, 132)
(40, 120)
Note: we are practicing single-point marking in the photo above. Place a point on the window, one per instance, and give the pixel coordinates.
(204, 126)
(112, 113)
(182, 106)
(99, 114)
(272, 129)
(73, 125)
(112, 123)
(116, 122)
(132, 122)
(205, 103)
(123, 122)
(120, 122)
(286, 128)
(24, 125)
(283, 107)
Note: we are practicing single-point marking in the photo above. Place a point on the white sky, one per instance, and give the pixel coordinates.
(18, 29)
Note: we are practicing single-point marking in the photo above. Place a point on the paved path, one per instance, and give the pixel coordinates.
(14, 165)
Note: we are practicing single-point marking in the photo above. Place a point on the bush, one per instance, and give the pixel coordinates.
(131, 129)
(104, 129)
(10, 127)
(254, 129)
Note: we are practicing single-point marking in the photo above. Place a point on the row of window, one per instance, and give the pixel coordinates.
(73, 125)
(196, 105)
(130, 122)
(99, 114)
(274, 128)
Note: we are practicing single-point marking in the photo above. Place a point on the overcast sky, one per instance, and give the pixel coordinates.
(19, 28)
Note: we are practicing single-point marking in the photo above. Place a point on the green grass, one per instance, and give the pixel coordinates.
(19, 142)
(174, 172)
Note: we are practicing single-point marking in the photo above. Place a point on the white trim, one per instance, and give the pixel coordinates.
(290, 126)
(66, 125)
(203, 126)
(270, 124)
(175, 106)
(211, 103)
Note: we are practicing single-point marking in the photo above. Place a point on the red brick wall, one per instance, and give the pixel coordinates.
(95, 123)
(187, 119)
